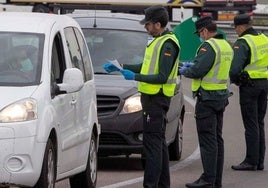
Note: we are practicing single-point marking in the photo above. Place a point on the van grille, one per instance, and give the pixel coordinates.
(112, 139)
(107, 105)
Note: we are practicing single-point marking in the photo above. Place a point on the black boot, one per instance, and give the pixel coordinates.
(260, 167)
(245, 166)
(200, 183)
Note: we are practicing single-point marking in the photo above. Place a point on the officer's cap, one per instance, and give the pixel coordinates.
(241, 19)
(156, 13)
(203, 23)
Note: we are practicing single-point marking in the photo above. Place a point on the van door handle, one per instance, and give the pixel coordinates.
(73, 102)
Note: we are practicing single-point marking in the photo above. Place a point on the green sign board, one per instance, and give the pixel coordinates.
(189, 41)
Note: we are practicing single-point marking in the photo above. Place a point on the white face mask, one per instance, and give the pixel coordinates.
(26, 65)
(201, 39)
(149, 40)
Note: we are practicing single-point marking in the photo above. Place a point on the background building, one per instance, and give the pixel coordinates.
(262, 2)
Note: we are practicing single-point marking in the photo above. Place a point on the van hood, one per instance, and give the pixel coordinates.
(10, 95)
(115, 85)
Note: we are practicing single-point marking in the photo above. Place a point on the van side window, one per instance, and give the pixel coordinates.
(57, 62)
(85, 55)
(74, 50)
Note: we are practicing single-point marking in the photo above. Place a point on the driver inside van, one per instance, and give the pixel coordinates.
(21, 62)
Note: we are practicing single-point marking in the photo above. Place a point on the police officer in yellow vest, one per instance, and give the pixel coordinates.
(210, 71)
(249, 71)
(156, 77)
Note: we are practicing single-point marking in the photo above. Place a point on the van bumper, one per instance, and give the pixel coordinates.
(20, 158)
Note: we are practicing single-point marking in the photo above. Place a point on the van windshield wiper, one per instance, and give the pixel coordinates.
(99, 72)
(103, 72)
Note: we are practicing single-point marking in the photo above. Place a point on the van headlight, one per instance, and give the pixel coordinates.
(24, 110)
(132, 104)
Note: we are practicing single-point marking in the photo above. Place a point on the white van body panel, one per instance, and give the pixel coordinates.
(69, 117)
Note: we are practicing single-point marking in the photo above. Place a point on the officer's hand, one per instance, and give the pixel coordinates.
(182, 70)
(109, 67)
(129, 75)
(188, 64)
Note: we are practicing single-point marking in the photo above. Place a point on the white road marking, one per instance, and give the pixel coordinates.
(189, 100)
(189, 160)
(193, 157)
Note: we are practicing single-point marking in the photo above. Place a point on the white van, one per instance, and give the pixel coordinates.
(48, 118)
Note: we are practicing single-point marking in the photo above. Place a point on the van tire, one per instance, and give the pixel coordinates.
(175, 148)
(88, 178)
(48, 172)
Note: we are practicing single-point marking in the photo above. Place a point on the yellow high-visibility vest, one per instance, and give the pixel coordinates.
(151, 65)
(216, 78)
(258, 66)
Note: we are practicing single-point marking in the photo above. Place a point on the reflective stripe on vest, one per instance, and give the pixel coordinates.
(150, 66)
(216, 78)
(258, 66)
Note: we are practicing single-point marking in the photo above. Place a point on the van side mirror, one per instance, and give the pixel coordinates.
(72, 80)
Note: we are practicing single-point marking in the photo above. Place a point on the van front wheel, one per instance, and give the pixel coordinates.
(175, 148)
(88, 178)
(48, 173)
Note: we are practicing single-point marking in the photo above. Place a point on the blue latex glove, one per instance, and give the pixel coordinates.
(129, 75)
(109, 67)
(188, 64)
(182, 70)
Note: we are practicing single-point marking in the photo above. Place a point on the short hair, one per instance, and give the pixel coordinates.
(211, 27)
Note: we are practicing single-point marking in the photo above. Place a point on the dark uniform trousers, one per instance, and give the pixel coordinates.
(209, 122)
(253, 104)
(156, 174)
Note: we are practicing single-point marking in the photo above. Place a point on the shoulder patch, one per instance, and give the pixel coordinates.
(167, 54)
(203, 49)
(236, 47)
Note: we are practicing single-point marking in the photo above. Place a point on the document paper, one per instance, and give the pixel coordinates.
(116, 63)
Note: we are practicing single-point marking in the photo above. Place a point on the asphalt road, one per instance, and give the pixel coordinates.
(128, 173)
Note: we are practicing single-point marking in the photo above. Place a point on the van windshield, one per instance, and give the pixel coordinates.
(21, 58)
(109, 44)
